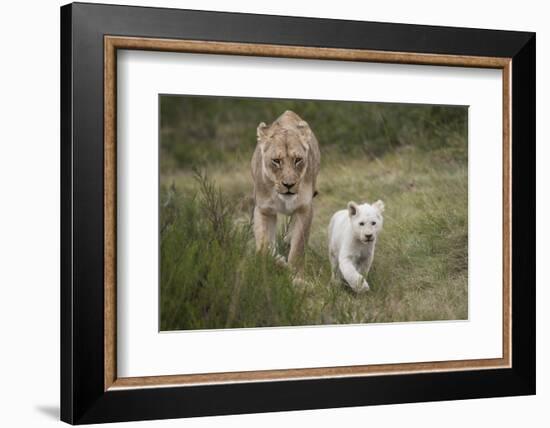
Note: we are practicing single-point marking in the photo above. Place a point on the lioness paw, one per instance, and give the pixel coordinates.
(299, 281)
(280, 261)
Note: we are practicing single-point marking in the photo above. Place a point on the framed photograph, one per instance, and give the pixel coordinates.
(267, 213)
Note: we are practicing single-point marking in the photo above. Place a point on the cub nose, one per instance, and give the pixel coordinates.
(368, 236)
(288, 185)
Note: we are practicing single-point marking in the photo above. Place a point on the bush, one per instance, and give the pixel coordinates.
(210, 276)
(201, 130)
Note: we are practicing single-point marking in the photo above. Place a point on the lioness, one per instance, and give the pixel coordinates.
(285, 165)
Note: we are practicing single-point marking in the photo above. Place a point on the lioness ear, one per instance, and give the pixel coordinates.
(352, 208)
(304, 127)
(306, 134)
(261, 131)
(379, 205)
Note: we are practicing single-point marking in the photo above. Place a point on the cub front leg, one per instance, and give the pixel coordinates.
(365, 266)
(301, 224)
(333, 266)
(348, 270)
(265, 227)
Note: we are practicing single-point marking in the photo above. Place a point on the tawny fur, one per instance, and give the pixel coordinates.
(285, 166)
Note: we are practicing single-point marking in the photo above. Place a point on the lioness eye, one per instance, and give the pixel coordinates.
(373, 223)
(298, 161)
(361, 224)
(276, 162)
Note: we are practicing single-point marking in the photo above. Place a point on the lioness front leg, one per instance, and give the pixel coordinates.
(301, 224)
(265, 227)
(355, 280)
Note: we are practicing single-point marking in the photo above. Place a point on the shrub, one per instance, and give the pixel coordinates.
(210, 275)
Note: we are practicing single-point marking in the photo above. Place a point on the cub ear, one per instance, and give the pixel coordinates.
(379, 205)
(261, 131)
(352, 208)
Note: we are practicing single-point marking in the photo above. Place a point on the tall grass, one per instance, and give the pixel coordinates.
(211, 276)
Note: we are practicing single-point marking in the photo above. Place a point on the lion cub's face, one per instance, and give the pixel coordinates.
(285, 156)
(366, 220)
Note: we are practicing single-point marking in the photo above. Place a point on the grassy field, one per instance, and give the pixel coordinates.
(210, 274)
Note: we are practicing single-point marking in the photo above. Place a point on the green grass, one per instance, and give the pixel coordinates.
(211, 276)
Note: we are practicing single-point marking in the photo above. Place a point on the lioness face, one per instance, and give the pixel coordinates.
(285, 159)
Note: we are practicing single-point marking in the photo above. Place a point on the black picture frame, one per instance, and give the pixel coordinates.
(83, 399)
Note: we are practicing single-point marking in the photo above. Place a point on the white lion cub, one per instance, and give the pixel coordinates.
(352, 235)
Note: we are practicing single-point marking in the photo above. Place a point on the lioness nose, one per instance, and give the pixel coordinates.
(288, 185)
(368, 236)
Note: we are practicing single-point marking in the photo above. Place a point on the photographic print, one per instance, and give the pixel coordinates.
(281, 213)
(266, 193)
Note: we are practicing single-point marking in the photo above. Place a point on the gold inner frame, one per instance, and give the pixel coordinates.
(112, 43)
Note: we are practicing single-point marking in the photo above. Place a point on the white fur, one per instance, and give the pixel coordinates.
(286, 204)
(351, 241)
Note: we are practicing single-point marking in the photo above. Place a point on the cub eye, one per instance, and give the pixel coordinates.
(276, 162)
(362, 223)
(373, 223)
(298, 161)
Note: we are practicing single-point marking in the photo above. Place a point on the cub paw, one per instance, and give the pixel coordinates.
(362, 286)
